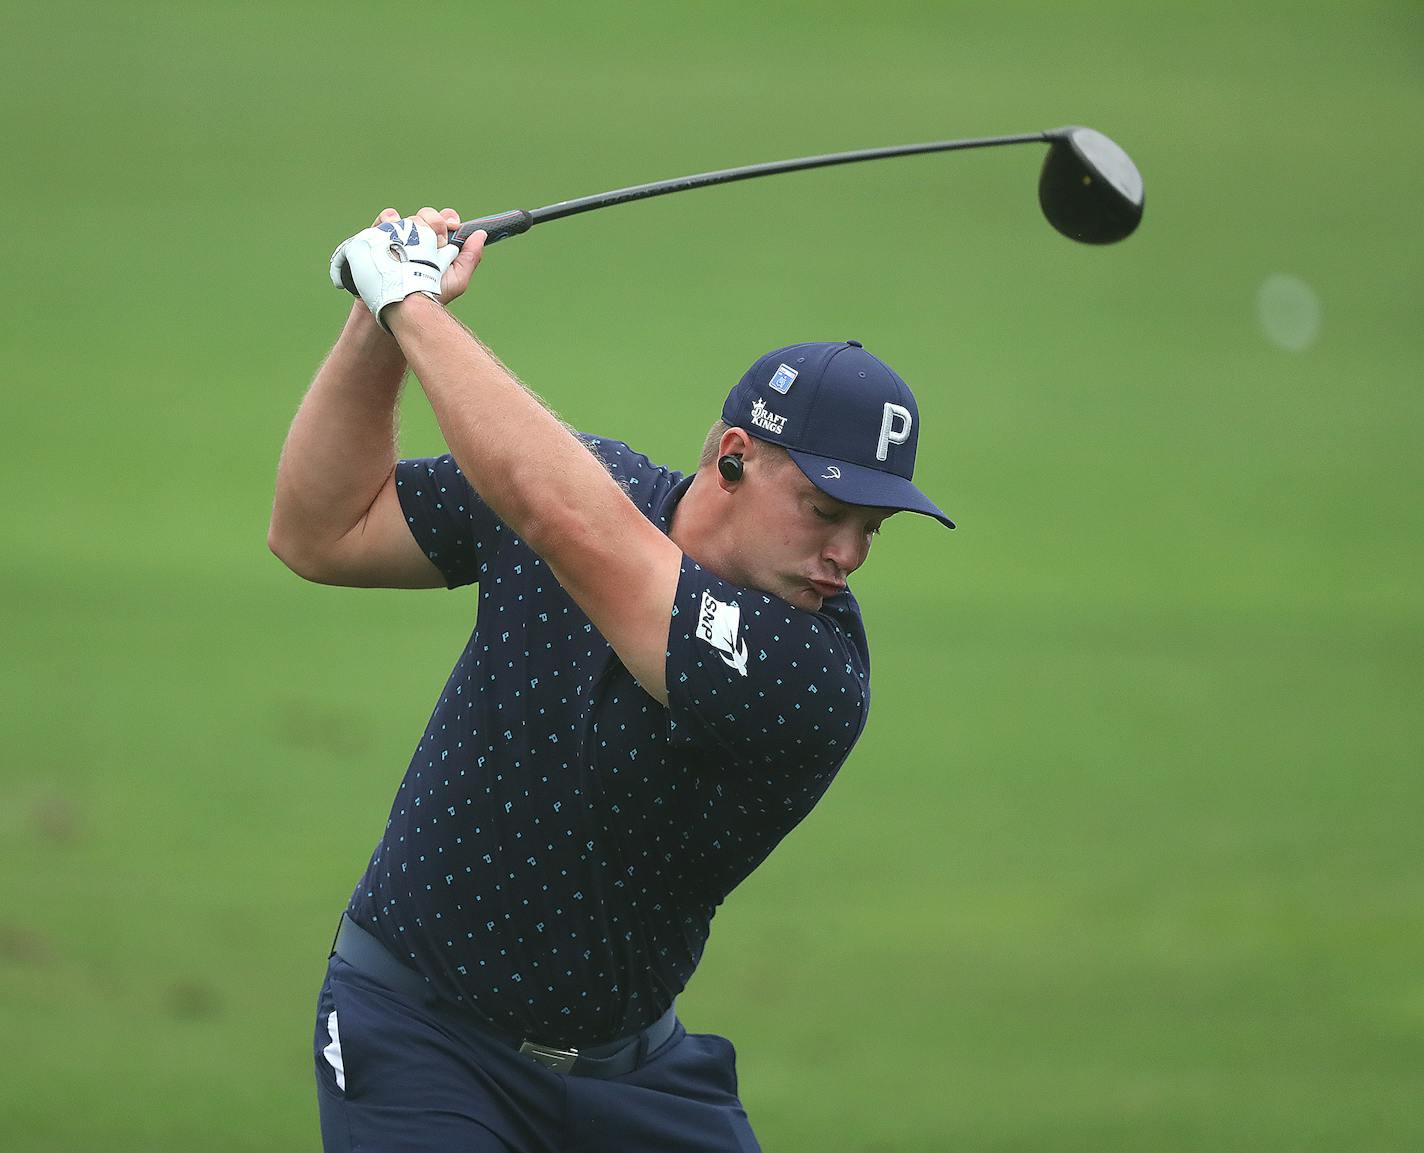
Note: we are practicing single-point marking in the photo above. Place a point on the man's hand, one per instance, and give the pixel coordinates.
(400, 256)
(391, 261)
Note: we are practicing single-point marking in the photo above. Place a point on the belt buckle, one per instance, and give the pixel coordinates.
(560, 1060)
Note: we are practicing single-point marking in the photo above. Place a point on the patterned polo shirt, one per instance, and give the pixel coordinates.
(560, 840)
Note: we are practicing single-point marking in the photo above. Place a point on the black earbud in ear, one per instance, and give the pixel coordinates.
(730, 466)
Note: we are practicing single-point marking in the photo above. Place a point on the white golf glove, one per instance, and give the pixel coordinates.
(391, 261)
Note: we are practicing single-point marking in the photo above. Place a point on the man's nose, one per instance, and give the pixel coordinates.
(847, 550)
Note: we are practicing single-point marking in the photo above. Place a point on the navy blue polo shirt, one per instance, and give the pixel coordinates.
(560, 841)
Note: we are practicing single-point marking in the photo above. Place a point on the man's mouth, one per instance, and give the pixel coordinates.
(827, 588)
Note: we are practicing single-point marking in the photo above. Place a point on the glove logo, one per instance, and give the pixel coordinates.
(394, 230)
(398, 246)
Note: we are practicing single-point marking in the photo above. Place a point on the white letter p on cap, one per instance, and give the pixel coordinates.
(889, 434)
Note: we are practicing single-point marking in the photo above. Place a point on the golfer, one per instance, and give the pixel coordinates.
(665, 674)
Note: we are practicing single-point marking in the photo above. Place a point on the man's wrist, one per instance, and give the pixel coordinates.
(362, 331)
(402, 313)
(363, 321)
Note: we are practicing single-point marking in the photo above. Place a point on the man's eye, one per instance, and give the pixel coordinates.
(821, 513)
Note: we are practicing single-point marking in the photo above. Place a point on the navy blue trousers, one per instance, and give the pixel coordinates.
(398, 1076)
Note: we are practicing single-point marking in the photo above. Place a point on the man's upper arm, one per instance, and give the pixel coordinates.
(379, 550)
(427, 528)
(764, 682)
(625, 581)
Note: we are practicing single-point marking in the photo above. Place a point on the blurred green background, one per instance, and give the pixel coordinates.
(1128, 858)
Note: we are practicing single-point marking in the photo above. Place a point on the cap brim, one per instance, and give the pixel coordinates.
(856, 484)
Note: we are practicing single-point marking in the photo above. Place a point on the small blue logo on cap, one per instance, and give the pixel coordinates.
(782, 380)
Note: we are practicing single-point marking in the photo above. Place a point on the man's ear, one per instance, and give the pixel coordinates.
(735, 442)
(734, 446)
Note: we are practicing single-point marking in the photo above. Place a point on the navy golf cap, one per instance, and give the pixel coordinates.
(847, 419)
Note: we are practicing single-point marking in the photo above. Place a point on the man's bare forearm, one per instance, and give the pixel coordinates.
(522, 460)
(539, 479)
(342, 445)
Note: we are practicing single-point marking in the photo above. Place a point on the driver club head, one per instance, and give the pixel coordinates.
(1089, 189)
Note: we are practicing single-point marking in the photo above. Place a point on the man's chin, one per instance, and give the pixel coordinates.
(807, 598)
(795, 592)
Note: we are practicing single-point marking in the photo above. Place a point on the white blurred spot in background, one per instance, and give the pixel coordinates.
(1289, 311)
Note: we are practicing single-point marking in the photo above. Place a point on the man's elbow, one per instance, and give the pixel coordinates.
(287, 550)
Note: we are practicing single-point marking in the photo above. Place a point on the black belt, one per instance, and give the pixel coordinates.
(367, 955)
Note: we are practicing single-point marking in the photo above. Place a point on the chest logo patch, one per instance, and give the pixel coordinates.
(718, 624)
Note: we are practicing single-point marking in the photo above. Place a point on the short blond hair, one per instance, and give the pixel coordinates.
(712, 443)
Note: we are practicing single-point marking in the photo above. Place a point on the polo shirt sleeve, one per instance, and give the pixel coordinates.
(760, 680)
(451, 523)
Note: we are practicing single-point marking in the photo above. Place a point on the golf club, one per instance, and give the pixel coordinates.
(1089, 188)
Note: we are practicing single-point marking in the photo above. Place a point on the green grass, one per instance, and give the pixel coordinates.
(1128, 856)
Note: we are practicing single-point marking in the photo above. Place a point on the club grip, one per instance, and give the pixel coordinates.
(499, 226)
